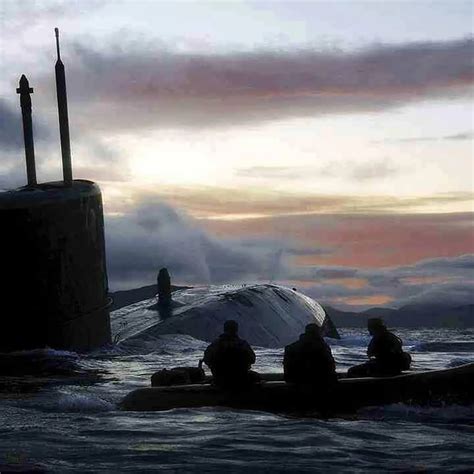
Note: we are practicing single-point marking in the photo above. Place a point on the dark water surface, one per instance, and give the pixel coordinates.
(66, 420)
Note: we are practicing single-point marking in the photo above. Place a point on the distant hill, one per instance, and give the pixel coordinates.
(126, 297)
(411, 316)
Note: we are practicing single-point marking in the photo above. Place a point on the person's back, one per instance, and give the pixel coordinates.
(230, 357)
(385, 347)
(385, 352)
(309, 360)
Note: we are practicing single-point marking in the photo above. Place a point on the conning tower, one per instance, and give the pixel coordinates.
(52, 250)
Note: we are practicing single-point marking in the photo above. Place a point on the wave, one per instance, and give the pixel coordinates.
(77, 402)
(40, 362)
(148, 344)
(63, 401)
(445, 346)
(443, 413)
(460, 361)
(351, 341)
(42, 353)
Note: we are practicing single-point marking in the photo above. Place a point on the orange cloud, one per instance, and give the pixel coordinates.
(373, 300)
(352, 283)
(236, 204)
(364, 241)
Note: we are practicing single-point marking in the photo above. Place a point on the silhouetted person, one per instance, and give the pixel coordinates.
(230, 358)
(385, 352)
(309, 360)
(164, 287)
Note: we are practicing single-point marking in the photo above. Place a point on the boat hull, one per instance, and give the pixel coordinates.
(454, 385)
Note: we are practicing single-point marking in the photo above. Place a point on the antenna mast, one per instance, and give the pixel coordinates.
(63, 116)
(25, 101)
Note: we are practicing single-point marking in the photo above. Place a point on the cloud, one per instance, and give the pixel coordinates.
(211, 202)
(152, 234)
(93, 157)
(365, 171)
(27, 14)
(162, 88)
(328, 272)
(462, 265)
(389, 256)
(12, 147)
(12, 177)
(99, 160)
(11, 128)
(375, 169)
(449, 294)
(276, 172)
(462, 136)
(446, 281)
(11, 137)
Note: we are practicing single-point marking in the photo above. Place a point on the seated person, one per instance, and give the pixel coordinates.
(386, 356)
(309, 360)
(230, 358)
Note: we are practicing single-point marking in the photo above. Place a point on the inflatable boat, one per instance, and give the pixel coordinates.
(454, 385)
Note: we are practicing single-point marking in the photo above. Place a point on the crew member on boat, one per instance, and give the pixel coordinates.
(230, 358)
(309, 360)
(385, 352)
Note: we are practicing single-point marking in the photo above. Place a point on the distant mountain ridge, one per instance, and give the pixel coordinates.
(410, 316)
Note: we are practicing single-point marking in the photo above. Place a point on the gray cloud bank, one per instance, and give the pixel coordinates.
(105, 159)
(127, 90)
(442, 281)
(11, 128)
(130, 88)
(12, 153)
(153, 234)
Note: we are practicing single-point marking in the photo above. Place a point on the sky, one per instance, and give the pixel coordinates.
(327, 146)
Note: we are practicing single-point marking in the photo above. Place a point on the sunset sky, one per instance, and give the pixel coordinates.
(322, 145)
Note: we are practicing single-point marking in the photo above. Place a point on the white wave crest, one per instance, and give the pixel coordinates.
(80, 403)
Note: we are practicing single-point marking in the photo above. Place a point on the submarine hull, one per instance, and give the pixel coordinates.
(53, 257)
(268, 315)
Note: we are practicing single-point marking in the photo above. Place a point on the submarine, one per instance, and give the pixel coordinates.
(53, 251)
(268, 315)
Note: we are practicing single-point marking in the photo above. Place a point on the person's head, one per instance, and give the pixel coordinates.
(163, 272)
(312, 330)
(375, 325)
(231, 327)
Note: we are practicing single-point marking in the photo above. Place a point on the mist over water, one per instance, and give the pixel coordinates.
(67, 420)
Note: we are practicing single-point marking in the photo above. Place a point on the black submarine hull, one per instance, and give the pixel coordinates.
(52, 251)
(455, 385)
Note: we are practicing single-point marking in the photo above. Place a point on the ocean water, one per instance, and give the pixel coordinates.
(63, 417)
